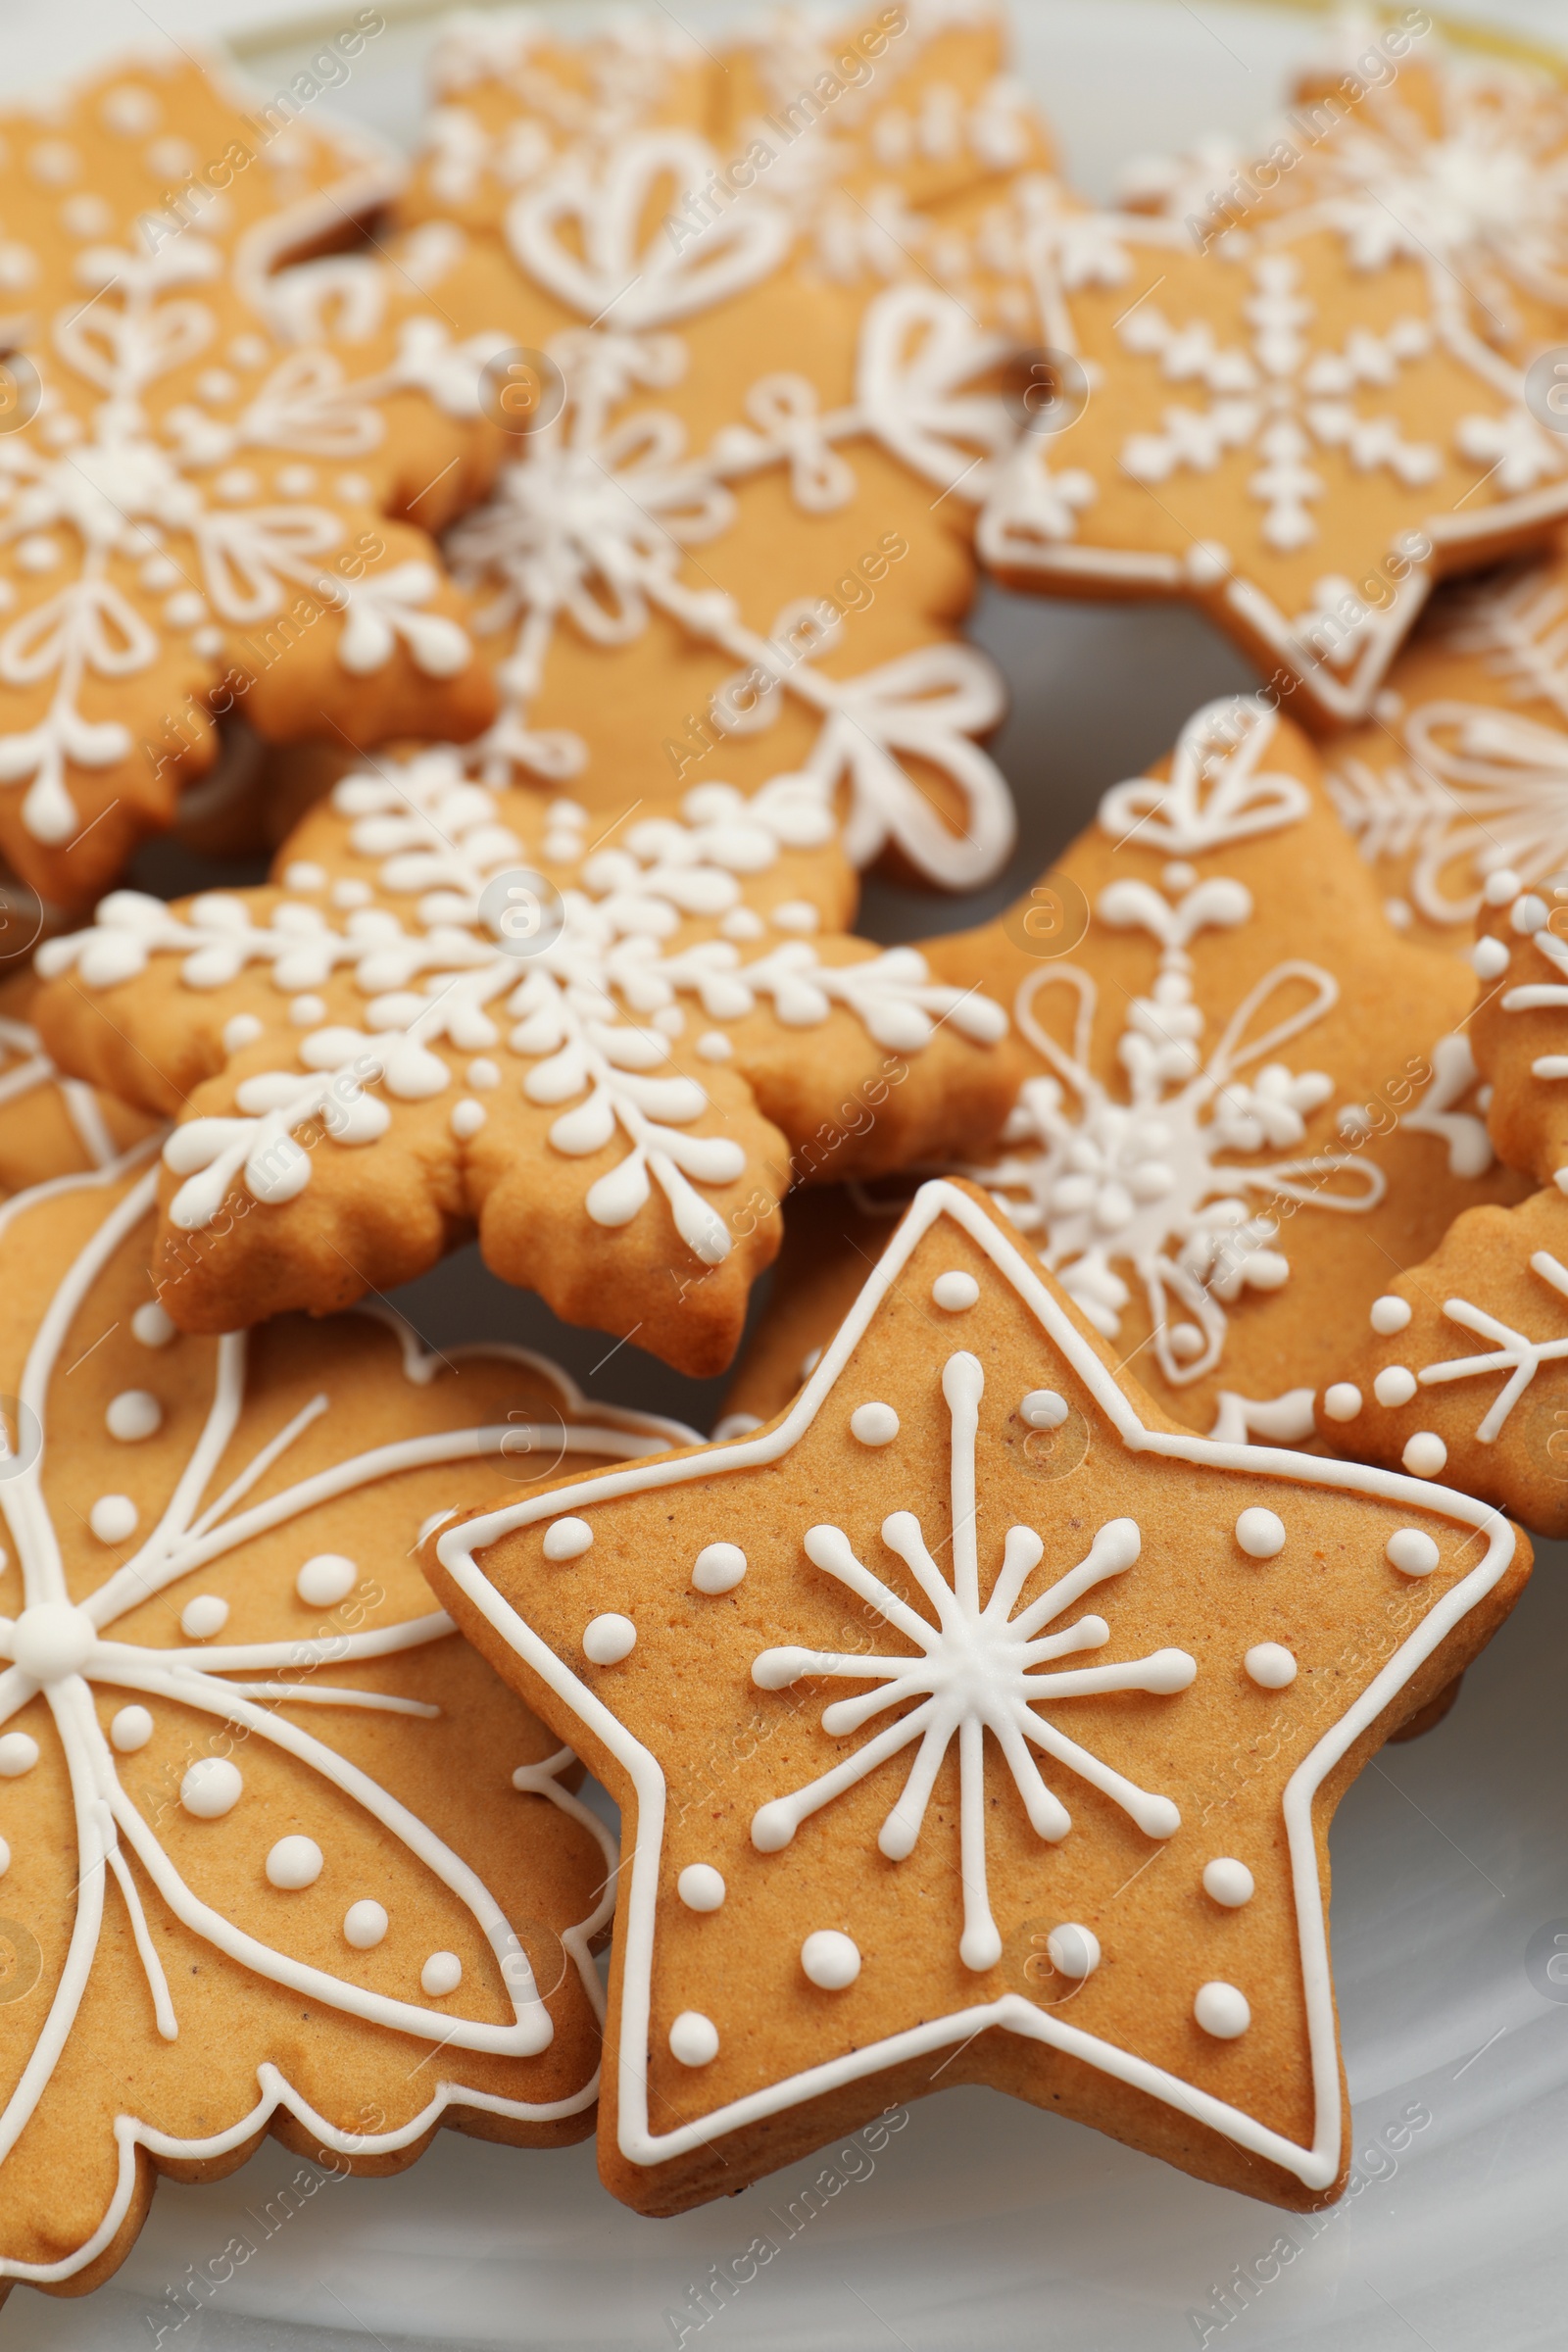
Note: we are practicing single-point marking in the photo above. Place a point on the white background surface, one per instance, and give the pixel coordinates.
(985, 2222)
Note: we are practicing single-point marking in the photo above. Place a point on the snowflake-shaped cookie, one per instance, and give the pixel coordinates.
(1463, 770)
(1301, 446)
(1451, 159)
(271, 1837)
(196, 501)
(1120, 1862)
(601, 1043)
(736, 536)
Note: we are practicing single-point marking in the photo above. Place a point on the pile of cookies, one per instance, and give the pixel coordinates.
(556, 552)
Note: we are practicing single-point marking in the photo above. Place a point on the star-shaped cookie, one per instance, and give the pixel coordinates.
(612, 1044)
(1299, 446)
(1102, 1885)
(277, 1850)
(213, 493)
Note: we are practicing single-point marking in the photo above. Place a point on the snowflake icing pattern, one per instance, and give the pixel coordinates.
(978, 1668)
(163, 493)
(592, 1012)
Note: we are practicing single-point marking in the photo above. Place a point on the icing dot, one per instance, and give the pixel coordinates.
(130, 1730)
(467, 1118)
(19, 1754)
(441, 1974)
(215, 384)
(714, 1045)
(1228, 1882)
(1490, 958)
(347, 892)
(304, 875)
(1207, 562)
(874, 1424)
(1501, 886)
(832, 1961)
(719, 1568)
(307, 1011)
(1390, 1314)
(204, 1616)
(37, 553)
(86, 216)
(326, 1579)
(701, 1887)
(113, 1518)
(1395, 1385)
(186, 611)
(1222, 2011)
(236, 483)
(363, 1925)
(158, 573)
(249, 351)
(1042, 1408)
(152, 1325)
(134, 1414)
(607, 1639)
(211, 1788)
(130, 112)
(1260, 1534)
(170, 157)
(1186, 1341)
(1074, 1949)
(482, 1075)
(954, 1292)
(54, 162)
(1342, 1402)
(566, 1539)
(354, 489)
(294, 1862)
(1270, 1665)
(1411, 1550)
(1529, 914)
(1426, 1455)
(243, 1031)
(297, 481)
(795, 915)
(670, 1020)
(694, 2039)
(1179, 875)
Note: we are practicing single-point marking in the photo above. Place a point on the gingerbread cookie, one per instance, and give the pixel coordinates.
(611, 1046)
(1222, 1200)
(1459, 1370)
(197, 500)
(1405, 149)
(1462, 769)
(273, 1837)
(826, 1909)
(1299, 444)
(735, 539)
(51, 1125)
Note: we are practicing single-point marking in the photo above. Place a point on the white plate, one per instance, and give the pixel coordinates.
(984, 2222)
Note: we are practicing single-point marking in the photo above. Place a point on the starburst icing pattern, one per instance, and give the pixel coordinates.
(120, 1647)
(196, 486)
(981, 1667)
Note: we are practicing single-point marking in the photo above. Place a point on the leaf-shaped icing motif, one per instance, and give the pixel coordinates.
(273, 1835)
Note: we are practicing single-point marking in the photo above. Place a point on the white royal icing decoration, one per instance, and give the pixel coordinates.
(1270, 1665)
(572, 1014)
(694, 2039)
(719, 1568)
(65, 1655)
(608, 1640)
(874, 1424)
(701, 1887)
(1223, 2011)
(977, 1667)
(1260, 1534)
(831, 1960)
(1316, 2161)
(1228, 1882)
